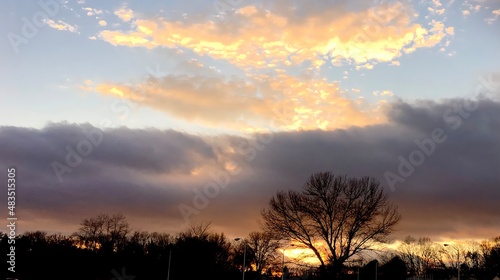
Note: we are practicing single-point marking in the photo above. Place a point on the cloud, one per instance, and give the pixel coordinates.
(129, 168)
(148, 173)
(92, 12)
(256, 104)
(437, 8)
(430, 38)
(383, 93)
(436, 11)
(125, 14)
(436, 3)
(257, 38)
(496, 15)
(450, 31)
(474, 6)
(471, 6)
(365, 66)
(102, 22)
(61, 25)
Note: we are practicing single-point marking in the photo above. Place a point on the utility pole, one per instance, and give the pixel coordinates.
(169, 258)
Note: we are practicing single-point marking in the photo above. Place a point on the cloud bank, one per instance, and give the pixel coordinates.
(146, 174)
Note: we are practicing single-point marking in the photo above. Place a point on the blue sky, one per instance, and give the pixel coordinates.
(42, 79)
(179, 89)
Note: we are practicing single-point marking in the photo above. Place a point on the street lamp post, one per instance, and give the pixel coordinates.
(244, 255)
(283, 264)
(458, 258)
(169, 258)
(359, 262)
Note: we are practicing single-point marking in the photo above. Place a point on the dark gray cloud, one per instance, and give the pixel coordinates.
(453, 191)
(119, 174)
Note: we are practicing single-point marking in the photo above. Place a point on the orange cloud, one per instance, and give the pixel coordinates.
(278, 102)
(125, 14)
(255, 39)
(258, 38)
(429, 38)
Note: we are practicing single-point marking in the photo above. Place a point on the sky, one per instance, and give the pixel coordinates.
(174, 112)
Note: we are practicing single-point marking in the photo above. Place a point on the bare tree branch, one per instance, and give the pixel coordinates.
(334, 216)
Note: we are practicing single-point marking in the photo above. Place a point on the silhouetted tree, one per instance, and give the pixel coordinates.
(264, 249)
(492, 259)
(200, 254)
(420, 255)
(104, 232)
(159, 243)
(261, 253)
(334, 216)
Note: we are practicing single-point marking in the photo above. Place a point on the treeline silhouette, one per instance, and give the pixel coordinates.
(105, 247)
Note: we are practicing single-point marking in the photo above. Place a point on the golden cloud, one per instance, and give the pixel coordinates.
(125, 14)
(258, 38)
(279, 102)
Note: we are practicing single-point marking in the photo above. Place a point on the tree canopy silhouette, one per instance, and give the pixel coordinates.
(334, 216)
(104, 231)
